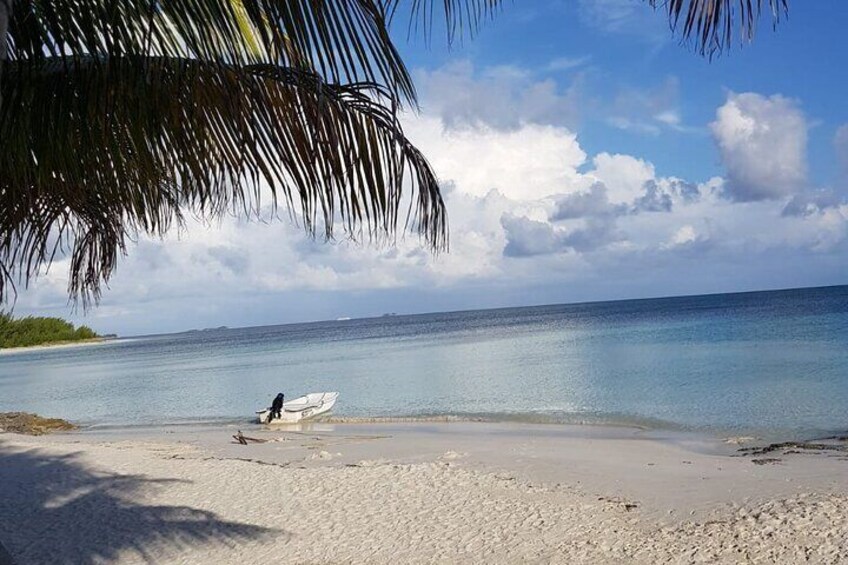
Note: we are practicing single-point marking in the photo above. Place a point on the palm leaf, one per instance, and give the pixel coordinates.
(343, 40)
(714, 25)
(458, 16)
(711, 25)
(93, 156)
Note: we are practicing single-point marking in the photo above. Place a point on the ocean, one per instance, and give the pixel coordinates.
(772, 363)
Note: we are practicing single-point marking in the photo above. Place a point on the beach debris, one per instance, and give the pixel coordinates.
(626, 505)
(740, 440)
(766, 461)
(453, 455)
(837, 444)
(243, 439)
(32, 424)
(372, 462)
(324, 455)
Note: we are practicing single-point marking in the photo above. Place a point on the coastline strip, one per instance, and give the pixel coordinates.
(57, 345)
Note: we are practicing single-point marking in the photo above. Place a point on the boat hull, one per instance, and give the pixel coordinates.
(303, 408)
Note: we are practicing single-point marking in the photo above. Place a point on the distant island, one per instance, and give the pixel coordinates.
(219, 328)
(33, 331)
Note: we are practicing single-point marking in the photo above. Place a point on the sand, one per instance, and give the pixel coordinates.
(416, 493)
(58, 345)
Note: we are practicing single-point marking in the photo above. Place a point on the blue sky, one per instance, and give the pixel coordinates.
(632, 48)
(585, 155)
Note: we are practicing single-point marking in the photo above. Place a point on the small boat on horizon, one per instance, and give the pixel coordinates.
(301, 408)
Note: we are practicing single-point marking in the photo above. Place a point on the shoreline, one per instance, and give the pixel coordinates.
(414, 492)
(59, 345)
(735, 436)
(693, 441)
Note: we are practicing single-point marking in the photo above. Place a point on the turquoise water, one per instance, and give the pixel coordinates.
(773, 363)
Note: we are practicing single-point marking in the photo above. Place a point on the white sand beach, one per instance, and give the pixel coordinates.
(61, 345)
(416, 493)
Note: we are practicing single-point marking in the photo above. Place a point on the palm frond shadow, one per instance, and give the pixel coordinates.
(54, 509)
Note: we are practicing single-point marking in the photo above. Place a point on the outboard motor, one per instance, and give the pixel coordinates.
(276, 407)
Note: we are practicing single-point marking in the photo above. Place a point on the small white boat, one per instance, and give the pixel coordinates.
(303, 408)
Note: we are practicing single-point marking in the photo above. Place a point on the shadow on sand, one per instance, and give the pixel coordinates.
(53, 509)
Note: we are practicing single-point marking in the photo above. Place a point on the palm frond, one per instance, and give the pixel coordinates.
(458, 16)
(714, 25)
(345, 41)
(93, 156)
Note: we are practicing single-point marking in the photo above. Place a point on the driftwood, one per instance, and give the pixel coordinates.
(243, 439)
(839, 445)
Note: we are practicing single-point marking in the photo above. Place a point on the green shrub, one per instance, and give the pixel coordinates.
(32, 330)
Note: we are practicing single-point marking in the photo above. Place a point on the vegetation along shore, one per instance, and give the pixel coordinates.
(33, 331)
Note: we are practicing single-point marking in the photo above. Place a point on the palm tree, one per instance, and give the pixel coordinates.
(120, 117)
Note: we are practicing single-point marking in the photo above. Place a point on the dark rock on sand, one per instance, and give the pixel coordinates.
(32, 424)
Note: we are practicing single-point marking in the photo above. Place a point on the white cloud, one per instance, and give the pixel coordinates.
(669, 118)
(567, 63)
(685, 236)
(594, 202)
(623, 175)
(763, 146)
(526, 237)
(530, 162)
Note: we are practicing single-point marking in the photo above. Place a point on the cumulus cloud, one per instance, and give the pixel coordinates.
(623, 175)
(763, 146)
(811, 202)
(526, 237)
(591, 203)
(596, 233)
(684, 236)
(686, 191)
(529, 162)
(655, 199)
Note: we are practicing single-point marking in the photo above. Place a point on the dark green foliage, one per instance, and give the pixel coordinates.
(23, 332)
(122, 117)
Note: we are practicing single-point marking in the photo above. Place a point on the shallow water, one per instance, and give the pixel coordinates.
(770, 363)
